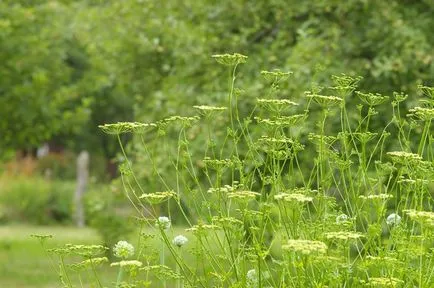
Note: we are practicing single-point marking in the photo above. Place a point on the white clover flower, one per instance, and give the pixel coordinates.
(123, 249)
(163, 222)
(393, 219)
(342, 218)
(180, 240)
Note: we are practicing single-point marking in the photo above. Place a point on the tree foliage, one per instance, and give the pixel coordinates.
(67, 66)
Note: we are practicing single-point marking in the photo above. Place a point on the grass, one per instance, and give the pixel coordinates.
(23, 262)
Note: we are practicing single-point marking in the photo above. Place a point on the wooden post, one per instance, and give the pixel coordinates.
(82, 180)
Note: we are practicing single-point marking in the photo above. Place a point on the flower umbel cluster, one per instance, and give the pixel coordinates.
(123, 250)
(305, 247)
(180, 240)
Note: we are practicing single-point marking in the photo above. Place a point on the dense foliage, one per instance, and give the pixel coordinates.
(68, 66)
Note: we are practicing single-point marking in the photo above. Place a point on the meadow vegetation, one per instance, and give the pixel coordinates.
(271, 199)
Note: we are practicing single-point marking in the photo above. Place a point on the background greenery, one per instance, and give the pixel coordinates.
(68, 66)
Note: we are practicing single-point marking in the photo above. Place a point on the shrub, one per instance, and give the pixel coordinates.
(36, 200)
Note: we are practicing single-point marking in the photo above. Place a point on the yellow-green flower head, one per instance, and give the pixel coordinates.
(421, 113)
(305, 247)
(200, 228)
(403, 157)
(88, 263)
(343, 235)
(130, 263)
(276, 75)
(372, 99)
(126, 127)
(41, 236)
(243, 195)
(180, 240)
(376, 197)
(293, 197)
(281, 121)
(276, 102)
(423, 217)
(123, 250)
(384, 282)
(325, 101)
(158, 197)
(230, 59)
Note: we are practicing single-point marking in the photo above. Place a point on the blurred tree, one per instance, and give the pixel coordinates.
(37, 83)
(68, 66)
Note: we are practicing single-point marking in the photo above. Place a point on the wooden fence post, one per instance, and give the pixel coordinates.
(82, 180)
